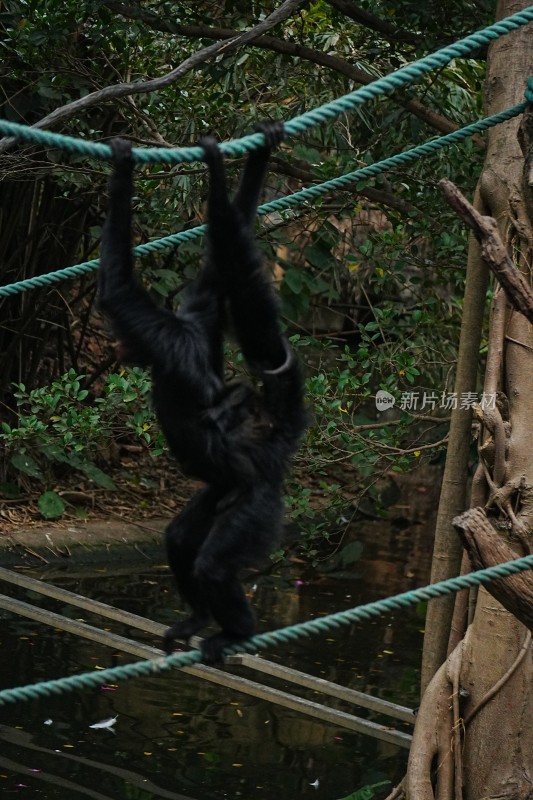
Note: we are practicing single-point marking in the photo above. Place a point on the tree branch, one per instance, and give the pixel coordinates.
(486, 548)
(154, 84)
(228, 40)
(387, 30)
(427, 115)
(493, 251)
(293, 170)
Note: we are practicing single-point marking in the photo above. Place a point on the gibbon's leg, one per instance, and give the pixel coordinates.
(184, 538)
(244, 532)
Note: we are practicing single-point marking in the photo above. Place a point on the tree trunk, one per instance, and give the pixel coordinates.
(474, 737)
(447, 549)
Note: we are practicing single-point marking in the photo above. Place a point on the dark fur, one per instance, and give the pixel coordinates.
(236, 440)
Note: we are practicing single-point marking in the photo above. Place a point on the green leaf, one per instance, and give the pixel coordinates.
(307, 154)
(95, 474)
(24, 463)
(55, 453)
(89, 469)
(319, 256)
(294, 280)
(366, 792)
(51, 505)
(351, 553)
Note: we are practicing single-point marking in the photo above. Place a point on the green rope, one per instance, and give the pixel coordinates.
(398, 160)
(386, 85)
(139, 669)
(282, 203)
(529, 90)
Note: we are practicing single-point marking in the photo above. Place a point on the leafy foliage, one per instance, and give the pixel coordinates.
(57, 425)
(370, 277)
(51, 505)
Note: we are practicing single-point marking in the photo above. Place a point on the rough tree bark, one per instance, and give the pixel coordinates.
(474, 737)
(447, 548)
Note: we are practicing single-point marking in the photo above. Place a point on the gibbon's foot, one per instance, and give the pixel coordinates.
(121, 149)
(182, 631)
(273, 130)
(213, 646)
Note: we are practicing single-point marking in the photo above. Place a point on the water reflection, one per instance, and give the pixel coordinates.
(177, 736)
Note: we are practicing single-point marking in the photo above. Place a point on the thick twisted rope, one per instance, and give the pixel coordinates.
(382, 86)
(283, 203)
(312, 627)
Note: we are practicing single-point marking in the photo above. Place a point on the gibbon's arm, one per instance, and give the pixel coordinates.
(148, 334)
(235, 256)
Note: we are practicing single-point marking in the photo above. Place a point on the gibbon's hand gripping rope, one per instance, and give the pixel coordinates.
(385, 85)
(283, 203)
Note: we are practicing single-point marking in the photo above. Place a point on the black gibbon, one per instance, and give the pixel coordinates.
(234, 438)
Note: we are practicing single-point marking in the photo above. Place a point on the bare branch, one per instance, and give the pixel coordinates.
(486, 548)
(427, 115)
(493, 250)
(283, 167)
(363, 17)
(154, 84)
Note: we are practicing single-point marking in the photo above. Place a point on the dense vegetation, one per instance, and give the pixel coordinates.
(371, 278)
